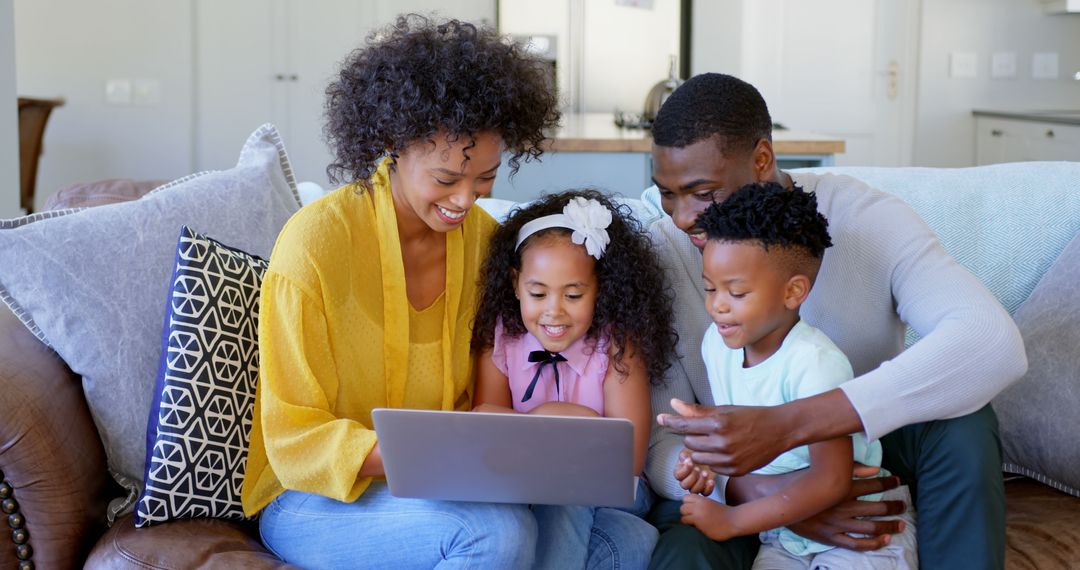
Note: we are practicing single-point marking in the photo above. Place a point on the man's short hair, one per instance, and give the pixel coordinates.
(713, 104)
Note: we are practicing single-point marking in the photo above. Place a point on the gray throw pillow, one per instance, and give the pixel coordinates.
(90, 283)
(1037, 436)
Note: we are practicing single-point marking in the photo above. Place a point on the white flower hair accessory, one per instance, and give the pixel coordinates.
(587, 218)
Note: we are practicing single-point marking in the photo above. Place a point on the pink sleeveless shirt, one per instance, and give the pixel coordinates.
(581, 377)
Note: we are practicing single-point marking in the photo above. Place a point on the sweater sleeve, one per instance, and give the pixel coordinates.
(308, 447)
(970, 348)
(677, 257)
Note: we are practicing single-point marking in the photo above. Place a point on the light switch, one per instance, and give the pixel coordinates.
(118, 91)
(1044, 65)
(963, 64)
(1003, 65)
(147, 92)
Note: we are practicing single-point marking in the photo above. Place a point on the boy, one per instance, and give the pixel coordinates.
(764, 248)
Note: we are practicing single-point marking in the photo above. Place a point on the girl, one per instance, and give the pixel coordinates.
(569, 322)
(369, 295)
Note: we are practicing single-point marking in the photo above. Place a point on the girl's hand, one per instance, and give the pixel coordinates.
(493, 409)
(694, 478)
(713, 519)
(564, 409)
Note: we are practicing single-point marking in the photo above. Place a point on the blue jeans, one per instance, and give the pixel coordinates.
(953, 469)
(595, 537)
(379, 530)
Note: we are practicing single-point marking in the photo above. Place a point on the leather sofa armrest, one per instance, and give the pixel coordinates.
(54, 472)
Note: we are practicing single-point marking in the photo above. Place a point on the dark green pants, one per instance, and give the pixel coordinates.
(953, 468)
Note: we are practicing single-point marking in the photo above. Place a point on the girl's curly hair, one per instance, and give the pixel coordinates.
(633, 303)
(416, 77)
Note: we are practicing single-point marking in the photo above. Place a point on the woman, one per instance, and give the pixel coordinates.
(370, 295)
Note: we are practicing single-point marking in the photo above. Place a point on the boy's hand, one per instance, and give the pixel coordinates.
(694, 478)
(713, 519)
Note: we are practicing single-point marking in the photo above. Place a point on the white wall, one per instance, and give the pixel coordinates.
(69, 49)
(9, 132)
(716, 37)
(944, 134)
(746, 38)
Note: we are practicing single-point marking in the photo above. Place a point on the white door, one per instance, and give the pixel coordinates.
(260, 61)
(235, 90)
(845, 68)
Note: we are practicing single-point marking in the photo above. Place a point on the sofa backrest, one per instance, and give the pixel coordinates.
(1006, 223)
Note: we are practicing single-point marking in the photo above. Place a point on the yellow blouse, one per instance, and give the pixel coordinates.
(338, 338)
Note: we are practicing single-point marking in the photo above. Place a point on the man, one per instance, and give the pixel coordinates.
(929, 404)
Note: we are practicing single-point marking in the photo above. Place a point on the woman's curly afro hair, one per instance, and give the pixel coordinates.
(633, 303)
(418, 77)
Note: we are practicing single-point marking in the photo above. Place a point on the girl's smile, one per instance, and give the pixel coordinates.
(556, 288)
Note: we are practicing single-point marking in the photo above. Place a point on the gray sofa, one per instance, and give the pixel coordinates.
(55, 485)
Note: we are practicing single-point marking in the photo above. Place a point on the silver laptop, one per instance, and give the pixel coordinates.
(507, 458)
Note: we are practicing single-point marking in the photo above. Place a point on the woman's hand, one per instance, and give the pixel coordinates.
(731, 440)
(694, 478)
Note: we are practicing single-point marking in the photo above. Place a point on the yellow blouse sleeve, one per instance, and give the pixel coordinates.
(309, 448)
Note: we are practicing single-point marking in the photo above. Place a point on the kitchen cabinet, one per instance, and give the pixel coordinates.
(260, 61)
(1017, 137)
(1061, 6)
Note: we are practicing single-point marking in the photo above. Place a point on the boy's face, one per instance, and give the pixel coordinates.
(748, 297)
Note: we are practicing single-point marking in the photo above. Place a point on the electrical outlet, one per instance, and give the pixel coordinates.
(963, 64)
(118, 91)
(1044, 65)
(1003, 65)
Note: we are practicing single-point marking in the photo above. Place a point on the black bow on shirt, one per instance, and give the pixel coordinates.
(543, 357)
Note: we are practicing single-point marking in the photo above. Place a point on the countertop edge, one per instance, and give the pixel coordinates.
(1028, 116)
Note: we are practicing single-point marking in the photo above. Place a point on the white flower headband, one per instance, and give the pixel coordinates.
(588, 219)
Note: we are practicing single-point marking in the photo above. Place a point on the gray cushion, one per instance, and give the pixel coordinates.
(93, 283)
(1038, 413)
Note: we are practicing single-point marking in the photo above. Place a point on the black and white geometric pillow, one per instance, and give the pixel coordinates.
(197, 437)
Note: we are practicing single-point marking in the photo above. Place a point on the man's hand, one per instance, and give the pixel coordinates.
(731, 440)
(833, 525)
(710, 517)
(694, 478)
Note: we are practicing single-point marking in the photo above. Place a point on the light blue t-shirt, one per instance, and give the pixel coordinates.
(806, 364)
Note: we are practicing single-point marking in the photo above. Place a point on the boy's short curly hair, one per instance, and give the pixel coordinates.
(714, 105)
(773, 216)
(417, 77)
(633, 303)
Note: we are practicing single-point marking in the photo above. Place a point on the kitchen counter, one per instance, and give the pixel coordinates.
(596, 132)
(1062, 117)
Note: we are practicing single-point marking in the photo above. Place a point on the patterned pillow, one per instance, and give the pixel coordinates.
(197, 434)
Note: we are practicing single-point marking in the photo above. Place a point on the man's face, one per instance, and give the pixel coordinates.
(694, 176)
